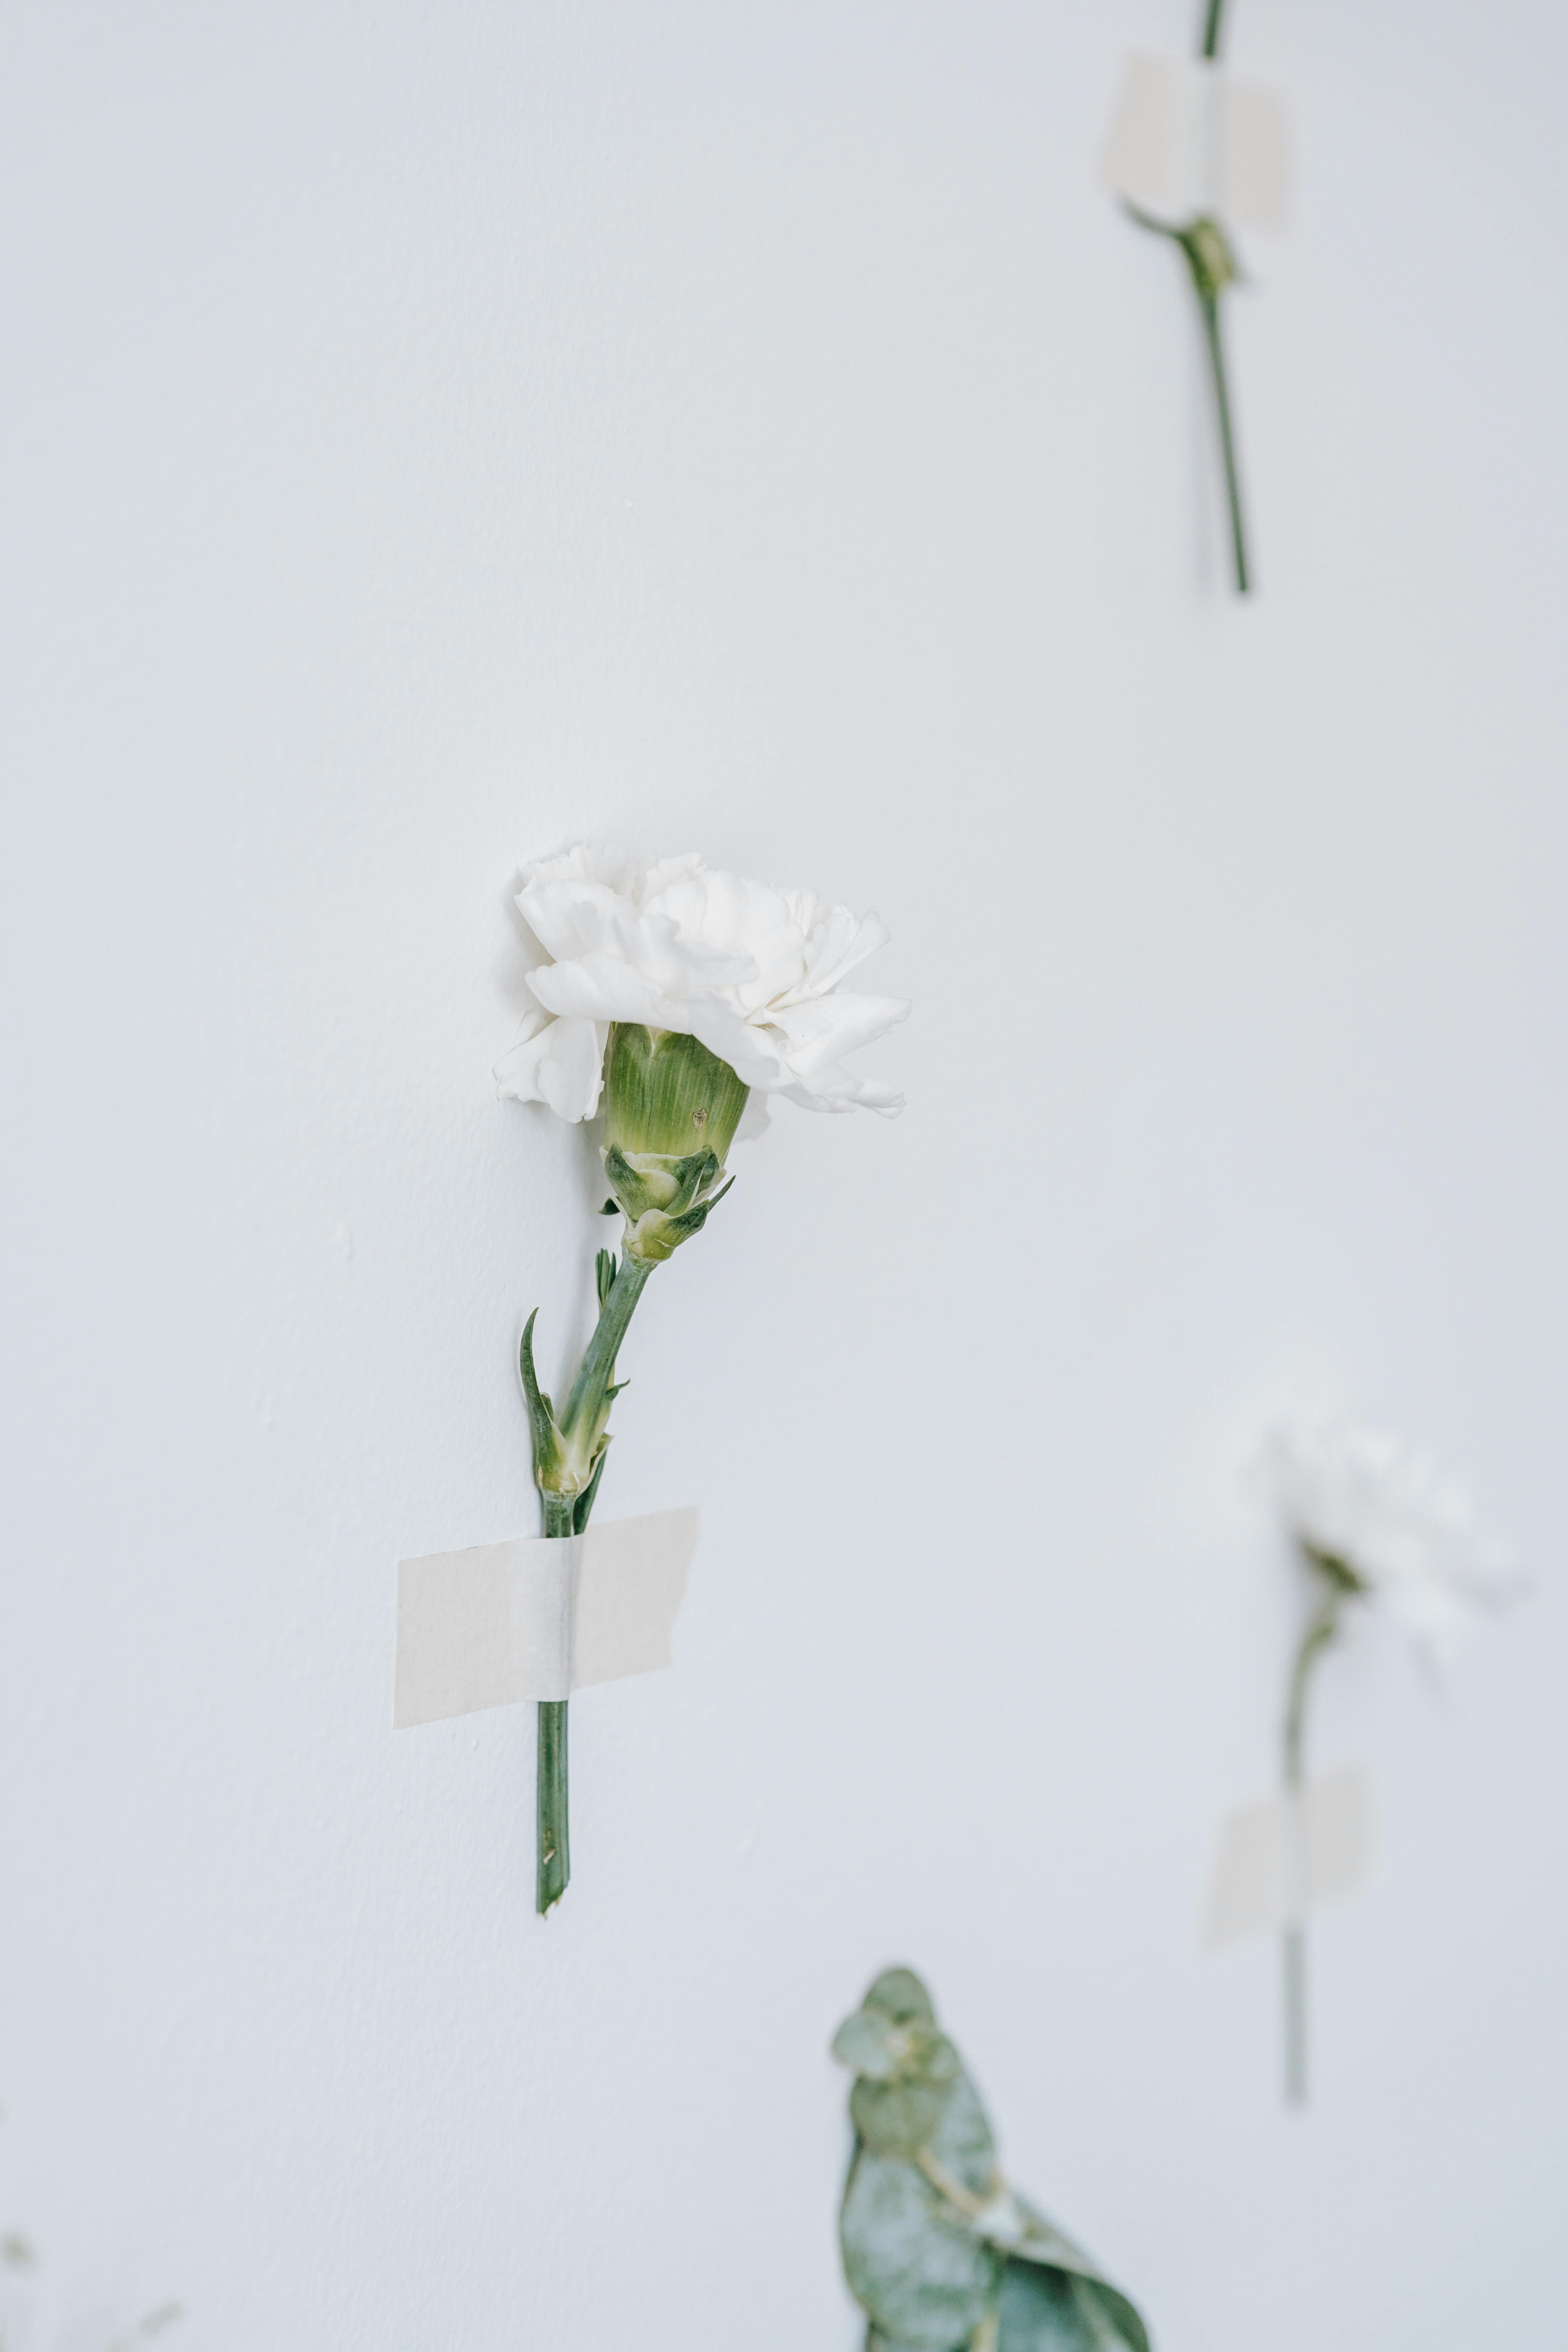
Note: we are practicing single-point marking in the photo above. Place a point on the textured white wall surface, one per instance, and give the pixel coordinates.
(433, 435)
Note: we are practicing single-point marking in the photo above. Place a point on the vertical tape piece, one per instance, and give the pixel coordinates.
(1185, 139)
(1279, 1860)
(537, 1618)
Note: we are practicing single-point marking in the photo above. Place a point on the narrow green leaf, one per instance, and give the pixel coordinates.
(631, 1188)
(693, 1220)
(584, 1505)
(543, 1434)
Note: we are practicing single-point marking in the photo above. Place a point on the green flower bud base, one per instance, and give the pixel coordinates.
(664, 1093)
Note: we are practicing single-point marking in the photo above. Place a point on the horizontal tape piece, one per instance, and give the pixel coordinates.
(1279, 1860)
(537, 1618)
(1185, 140)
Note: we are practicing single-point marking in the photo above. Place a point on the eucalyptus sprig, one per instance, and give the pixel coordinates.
(940, 2252)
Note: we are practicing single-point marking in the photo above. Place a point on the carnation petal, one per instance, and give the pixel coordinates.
(1386, 1508)
(752, 972)
(750, 1051)
(836, 944)
(560, 1063)
(822, 1032)
(572, 1074)
(570, 916)
(600, 988)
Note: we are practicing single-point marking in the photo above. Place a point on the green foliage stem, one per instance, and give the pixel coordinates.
(1212, 267)
(568, 1463)
(670, 1112)
(1337, 1583)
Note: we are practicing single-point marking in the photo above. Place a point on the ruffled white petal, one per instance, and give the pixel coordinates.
(560, 1063)
(1366, 1497)
(753, 972)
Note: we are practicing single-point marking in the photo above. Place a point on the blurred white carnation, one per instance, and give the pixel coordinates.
(1388, 1513)
(752, 972)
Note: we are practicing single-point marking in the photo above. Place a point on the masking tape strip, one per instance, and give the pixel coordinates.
(537, 1618)
(1279, 1860)
(1184, 139)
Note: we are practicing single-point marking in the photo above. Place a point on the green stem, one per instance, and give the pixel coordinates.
(1209, 305)
(552, 1844)
(567, 1515)
(1320, 1629)
(597, 1371)
(1212, 28)
(1211, 264)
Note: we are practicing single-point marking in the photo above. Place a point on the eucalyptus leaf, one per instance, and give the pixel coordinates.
(1057, 2311)
(1119, 2323)
(915, 2268)
(1044, 2245)
(900, 1994)
(928, 2055)
(897, 2118)
(867, 2044)
(877, 2342)
(962, 2143)
(1040, 2311)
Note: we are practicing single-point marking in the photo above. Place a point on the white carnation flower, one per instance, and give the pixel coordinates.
(1368, 1501)
(754, 974)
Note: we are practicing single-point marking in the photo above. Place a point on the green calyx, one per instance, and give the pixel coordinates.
(1208, 252)
(1210, 257)
(1337, 1573)
(664, 1200)
(671, 1109)
(666, 1093)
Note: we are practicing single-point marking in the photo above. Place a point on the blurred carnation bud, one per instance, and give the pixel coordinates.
(671, 1109)
(1209, 256)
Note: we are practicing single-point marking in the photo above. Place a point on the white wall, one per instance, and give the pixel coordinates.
(437, 432)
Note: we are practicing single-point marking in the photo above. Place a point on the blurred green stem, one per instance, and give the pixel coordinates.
(1212, 28)
(1320, 1629)
(1212, 266)
(1208, 304)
